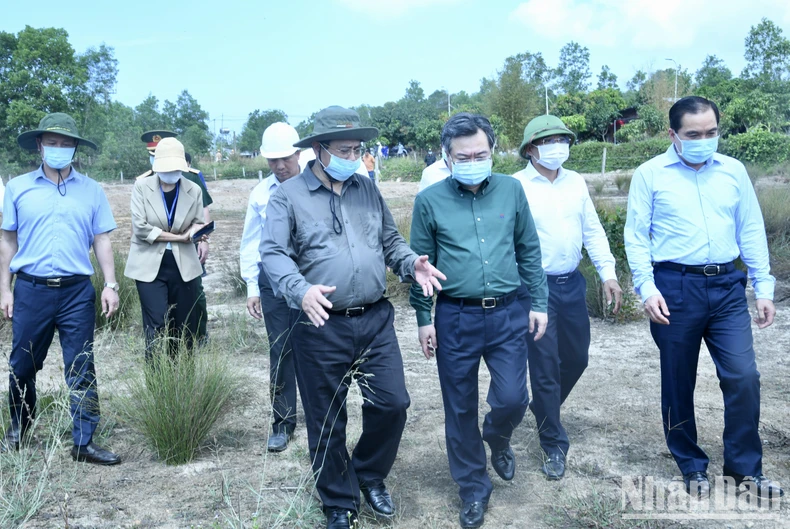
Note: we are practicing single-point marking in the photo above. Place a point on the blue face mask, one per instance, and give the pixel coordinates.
(151, 159)
(472, 173)
(339, 168)
(58, 157)
(698, 151)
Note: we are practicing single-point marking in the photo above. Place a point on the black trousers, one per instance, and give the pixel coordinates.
(557, 361)
(363, 348)
(282, 375)
(169, 306)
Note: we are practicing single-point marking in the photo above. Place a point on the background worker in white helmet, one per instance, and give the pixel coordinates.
(277, 147)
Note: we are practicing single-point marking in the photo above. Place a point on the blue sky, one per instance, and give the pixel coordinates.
(301, 56)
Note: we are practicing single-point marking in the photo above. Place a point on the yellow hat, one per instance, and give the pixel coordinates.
(170, 156)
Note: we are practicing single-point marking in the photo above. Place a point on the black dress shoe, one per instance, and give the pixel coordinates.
(341, 519)
(554, 466)
(278, 442)
(473, 514)
(697, 485)
(379, 500)
(93, 453)
(760, 485)
(504, 462)
(11, 440)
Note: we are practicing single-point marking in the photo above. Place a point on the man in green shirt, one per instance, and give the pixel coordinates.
(477, 228)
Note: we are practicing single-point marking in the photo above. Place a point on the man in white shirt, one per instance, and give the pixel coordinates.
(434, 173)
(565, 219)
(277, 147)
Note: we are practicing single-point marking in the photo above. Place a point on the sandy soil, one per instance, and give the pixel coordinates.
(613, 420)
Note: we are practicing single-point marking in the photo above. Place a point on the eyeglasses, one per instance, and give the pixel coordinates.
(553, 140)
(345, 152)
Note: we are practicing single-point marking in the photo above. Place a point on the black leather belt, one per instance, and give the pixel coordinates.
(561, 280)
(352, 312)
(52, 282)
(705, 270)
(486, 303)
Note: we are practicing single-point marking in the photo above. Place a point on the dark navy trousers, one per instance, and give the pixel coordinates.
(713, 309)
(466, 334)
(557, 361)
(282, 376)
(38, 311)
(363, 348)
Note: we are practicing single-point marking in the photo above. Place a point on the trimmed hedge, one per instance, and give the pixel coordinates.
(758, 146)
(586, 157)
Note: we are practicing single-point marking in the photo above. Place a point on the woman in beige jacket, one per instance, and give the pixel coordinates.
(167, 209)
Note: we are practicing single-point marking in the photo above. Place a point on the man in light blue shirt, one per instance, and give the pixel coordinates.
(51, 219)
(691, 213)
(283, 158)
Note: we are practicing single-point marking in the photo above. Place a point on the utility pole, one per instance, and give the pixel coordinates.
(677, 69)
(547, 98)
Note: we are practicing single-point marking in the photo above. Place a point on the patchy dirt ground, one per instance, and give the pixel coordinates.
(613, 420)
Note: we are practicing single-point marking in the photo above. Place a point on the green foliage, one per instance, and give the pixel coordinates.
(602, 109)
(257, 122)
(713, 72)
(508, 164)
(577, 123)
(404, 169)
(573, 71)
(758, 146)
(515, 98)
(128, 313)
(607, 79)
(767, 52)
(175, 402)
(586, 157)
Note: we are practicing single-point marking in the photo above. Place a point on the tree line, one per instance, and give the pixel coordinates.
(40, 72)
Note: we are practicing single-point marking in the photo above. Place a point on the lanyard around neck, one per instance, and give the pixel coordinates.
(170, 212)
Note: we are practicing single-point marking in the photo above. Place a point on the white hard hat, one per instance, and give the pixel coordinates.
(278, 141)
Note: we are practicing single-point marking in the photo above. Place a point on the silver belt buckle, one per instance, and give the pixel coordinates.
(53, 282)
(489, 303)
(354, 311)
(562, 280)
(715, 269)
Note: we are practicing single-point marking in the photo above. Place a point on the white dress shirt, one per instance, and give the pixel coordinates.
(436, 172)
(253, 230)
(566, 219)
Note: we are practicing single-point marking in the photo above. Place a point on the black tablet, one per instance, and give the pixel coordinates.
(205, 230)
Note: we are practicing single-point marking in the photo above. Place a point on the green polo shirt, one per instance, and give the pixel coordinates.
(485, 242)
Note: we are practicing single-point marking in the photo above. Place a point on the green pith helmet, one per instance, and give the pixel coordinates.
(542, 127)
(57, 123)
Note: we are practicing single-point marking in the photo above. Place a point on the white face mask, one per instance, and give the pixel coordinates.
(552, 156)
(170, 177)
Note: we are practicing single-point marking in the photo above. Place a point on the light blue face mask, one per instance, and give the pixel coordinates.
(472, 173)
(339, 168)
(151, 158)
(58, 157)
(698, 151)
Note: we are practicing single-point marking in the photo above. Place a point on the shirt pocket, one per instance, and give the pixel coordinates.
(317, 240)
(371, 227)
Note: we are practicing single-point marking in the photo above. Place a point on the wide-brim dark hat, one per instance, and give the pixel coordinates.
(337, 123)
(57, 123)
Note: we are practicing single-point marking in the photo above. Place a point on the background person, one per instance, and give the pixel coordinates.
(167, 209)
(51, 218)
(691, 213)
(283, 159)
(566, 220)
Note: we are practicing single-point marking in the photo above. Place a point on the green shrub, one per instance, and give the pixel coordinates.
(586, 157)
(129, 308)
(175, 401)
(623, 182)
(508, 163)
(758, 146)
(406, 169)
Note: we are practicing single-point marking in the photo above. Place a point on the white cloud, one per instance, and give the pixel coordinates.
(391, 8)
(645, 24)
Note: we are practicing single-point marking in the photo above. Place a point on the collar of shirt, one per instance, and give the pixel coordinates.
(73, 174)
(531, 173)
(672, 158)
(314, 183)
(458, 186)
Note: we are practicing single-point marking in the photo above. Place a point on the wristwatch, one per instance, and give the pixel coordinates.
(113, 286)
